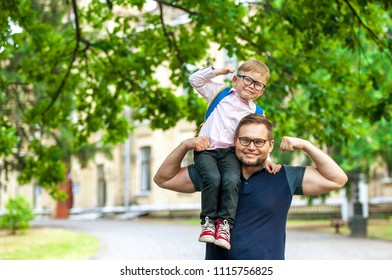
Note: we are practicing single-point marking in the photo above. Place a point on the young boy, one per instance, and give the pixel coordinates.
(217, 164)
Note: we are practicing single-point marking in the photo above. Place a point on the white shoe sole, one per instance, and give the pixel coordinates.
(222, 243)
(207, 239)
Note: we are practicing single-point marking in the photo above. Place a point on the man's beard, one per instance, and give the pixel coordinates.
(257, 162)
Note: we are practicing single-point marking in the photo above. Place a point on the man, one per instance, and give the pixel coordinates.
(264, 198)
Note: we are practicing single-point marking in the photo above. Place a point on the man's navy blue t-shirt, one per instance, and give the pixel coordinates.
(259, 231)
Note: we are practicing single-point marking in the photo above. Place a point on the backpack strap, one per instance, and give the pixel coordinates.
(222, 94)
(259, 110)
(218, 97)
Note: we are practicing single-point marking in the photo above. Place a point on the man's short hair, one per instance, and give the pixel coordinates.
(255, 119)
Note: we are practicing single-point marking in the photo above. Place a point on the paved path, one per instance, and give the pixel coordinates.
(146, 239)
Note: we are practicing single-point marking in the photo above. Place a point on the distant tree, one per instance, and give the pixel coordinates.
(18, 215)
(68, 70)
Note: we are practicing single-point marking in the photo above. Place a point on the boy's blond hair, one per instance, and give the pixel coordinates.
(254, 65)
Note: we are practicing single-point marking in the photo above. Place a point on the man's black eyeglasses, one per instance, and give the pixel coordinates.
(248, 81)
(259, 142)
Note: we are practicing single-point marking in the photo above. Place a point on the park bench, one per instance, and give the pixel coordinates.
(337, 223)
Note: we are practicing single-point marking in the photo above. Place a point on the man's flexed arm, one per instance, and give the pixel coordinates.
(325, 176)
(171, 175)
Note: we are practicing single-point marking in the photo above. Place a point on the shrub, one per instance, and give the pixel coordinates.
(18, 214)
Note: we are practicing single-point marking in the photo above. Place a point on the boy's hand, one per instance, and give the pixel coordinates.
(229, 69)
(198, 143)
(225, 70)
(272, 167)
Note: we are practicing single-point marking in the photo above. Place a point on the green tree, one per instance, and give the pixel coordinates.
(18, 214)
(71, 69)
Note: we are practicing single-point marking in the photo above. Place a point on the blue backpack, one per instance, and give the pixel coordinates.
(218, 97)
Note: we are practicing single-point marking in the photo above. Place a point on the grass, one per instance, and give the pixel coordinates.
(47, 244)
(376, 228)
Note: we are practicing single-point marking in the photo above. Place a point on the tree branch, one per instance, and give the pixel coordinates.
(375, 38)
(73, 58)
(171, 43)
(177, 7)
(110, 4)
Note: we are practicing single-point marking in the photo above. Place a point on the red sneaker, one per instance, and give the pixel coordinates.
(207, 232)
(222, 237)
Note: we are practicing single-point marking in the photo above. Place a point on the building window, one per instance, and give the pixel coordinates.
(145, 167)
(101, 186)
(36, 194)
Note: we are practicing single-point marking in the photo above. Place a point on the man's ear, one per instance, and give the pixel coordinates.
(271, 146)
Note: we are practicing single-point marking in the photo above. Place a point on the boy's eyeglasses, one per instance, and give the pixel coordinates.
(259, 142)
(248, 81)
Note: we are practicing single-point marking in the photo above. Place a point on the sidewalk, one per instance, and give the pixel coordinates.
(146, 239)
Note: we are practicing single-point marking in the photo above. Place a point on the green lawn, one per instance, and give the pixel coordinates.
(381, 229)
(47, 244)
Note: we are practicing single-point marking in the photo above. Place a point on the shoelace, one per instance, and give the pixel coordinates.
(224, 230)
(208, 226)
